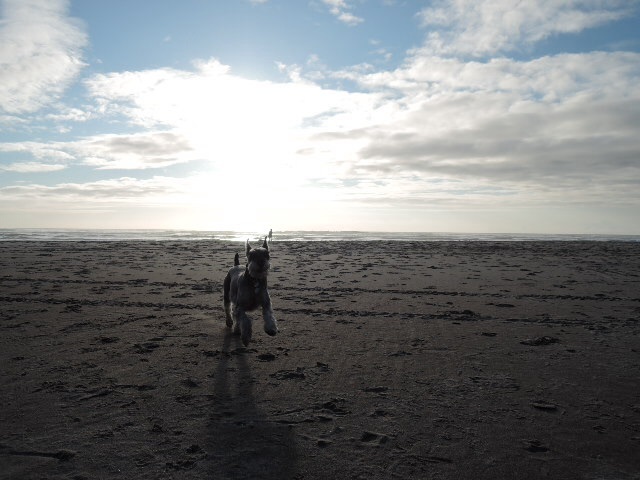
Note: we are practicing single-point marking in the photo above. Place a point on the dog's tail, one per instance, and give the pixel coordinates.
(236, 260)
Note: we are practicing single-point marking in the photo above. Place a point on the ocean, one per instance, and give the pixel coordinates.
(292, 236)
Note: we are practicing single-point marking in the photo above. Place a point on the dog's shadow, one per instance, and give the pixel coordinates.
(243, 442)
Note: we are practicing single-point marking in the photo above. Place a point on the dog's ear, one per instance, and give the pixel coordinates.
(248, 248)
(236, 260)
(265, 244)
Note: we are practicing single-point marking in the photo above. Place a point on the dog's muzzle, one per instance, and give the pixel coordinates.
(257, 272)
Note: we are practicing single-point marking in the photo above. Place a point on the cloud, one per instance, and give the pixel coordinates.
(340, 9)
(229, 120)
(564, 146)
(110, 151)
(135, 152)
(479, 28)
(40, 151)
(544, 79)
(40, 53)
(123, 202)
(491, 144)
(112, 191)
(31, 167)
(556, 128)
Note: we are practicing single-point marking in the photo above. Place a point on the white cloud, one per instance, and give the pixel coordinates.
(64, 113)
(98, 204)
(340, 9)
(479, 28)
(230, 120)
(40, 53)
(49, 152)
(125, 151)
(546, 79)
(134, 152)
(156, 190)
(560, 125)
(12, 122)
(208, 114)
(31, 167)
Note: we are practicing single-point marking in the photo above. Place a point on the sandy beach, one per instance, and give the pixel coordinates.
(412, 360)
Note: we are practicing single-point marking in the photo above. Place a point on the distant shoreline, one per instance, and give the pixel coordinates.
(44, 234)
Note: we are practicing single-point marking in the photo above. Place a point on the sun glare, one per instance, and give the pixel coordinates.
(252, 136)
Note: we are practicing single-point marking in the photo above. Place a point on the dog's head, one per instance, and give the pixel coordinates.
(258, 260)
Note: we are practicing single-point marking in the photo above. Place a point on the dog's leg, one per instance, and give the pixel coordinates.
(242, 325)
(270, 323)
(234, 319)
(227, 301)
(227, 314)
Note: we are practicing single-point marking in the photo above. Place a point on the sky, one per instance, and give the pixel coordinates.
(376, 115)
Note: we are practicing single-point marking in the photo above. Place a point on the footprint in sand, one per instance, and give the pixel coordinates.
(266, 357)
(374, 439)
(335, 406)
(145, 347)
(536, 342)
(535, 446)
(376, 389)
(298, 373)
(379, 413)
(545, 407)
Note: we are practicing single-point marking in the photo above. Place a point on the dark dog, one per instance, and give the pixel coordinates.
(245, 289)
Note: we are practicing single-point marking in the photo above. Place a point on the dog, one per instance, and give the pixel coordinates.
(245, 289)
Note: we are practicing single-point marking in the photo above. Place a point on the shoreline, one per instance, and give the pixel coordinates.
(293, 236)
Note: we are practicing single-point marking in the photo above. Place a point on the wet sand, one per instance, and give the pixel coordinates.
(442, 360)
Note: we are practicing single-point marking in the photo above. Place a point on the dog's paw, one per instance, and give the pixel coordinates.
(271, 328)
(246, 338)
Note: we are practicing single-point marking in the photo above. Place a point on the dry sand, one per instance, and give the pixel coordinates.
(394, 360)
